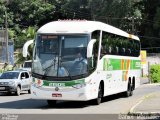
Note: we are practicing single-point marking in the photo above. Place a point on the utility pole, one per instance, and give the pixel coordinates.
(6, 37)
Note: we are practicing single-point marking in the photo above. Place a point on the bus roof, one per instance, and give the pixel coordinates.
(81, 27)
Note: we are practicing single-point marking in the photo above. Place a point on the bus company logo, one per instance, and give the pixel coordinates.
(56, 89)
(57, 84)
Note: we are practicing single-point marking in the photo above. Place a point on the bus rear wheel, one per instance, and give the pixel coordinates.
(51, 103)
(129, 91)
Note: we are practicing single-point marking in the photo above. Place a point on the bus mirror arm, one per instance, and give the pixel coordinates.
(90, 48)
(25, 47)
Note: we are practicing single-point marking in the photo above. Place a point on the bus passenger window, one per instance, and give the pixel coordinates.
(123, 51)
(128, 52)
(117, 50)
(110, 50)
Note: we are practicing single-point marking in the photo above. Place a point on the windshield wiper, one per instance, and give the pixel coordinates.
(53, 63)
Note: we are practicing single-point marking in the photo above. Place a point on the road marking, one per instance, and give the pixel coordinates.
(132, 110)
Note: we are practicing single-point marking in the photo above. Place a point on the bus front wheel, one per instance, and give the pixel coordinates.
(51, 103)
(98, 100)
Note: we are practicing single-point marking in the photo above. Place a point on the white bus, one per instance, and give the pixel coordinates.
(84, 60)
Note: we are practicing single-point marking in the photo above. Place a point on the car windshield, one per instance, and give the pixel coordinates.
(60, 55)
(9, 75)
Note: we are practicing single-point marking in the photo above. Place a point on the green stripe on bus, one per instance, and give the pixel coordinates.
(120, 64)
(63, 83)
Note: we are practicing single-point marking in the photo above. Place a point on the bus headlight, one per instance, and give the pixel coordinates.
(78, 86)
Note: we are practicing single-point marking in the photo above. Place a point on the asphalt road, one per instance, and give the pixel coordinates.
(114, 104)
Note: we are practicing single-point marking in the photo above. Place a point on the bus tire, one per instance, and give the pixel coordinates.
(129, 91)
(98, 100)
(133, 83)
(51, 103)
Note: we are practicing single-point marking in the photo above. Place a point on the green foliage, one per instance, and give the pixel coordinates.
(150, 22)
(12, 34)
(157, 19)
(76, 9)
(26, 16)
(31, 12)
(26, 34)
(155, 73)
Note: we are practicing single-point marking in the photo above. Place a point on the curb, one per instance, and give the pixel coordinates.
(151, 84)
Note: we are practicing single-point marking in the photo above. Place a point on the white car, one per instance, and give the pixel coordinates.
(15, 81)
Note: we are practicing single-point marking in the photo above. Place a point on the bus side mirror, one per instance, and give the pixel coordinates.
(25, 48)
(90, 48)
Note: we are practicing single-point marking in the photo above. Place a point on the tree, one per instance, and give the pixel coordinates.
(149, 28)
(79, 9)
(115, 12)
(27, 34)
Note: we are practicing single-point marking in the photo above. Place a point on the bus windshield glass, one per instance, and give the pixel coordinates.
(60, 55)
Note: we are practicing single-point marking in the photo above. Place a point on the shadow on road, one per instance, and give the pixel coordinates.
(9, 94)
(113, 97)
(23, 104)
(42, 104)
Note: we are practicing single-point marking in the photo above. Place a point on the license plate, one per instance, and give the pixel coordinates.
(2, 88)
(56, 95)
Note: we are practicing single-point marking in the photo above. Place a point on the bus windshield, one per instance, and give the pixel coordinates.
(60, 55)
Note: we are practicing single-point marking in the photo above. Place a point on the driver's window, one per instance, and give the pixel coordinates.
(93, 59)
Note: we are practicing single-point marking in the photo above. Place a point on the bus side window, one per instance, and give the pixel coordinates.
(137, 48)
(117, 50)
(107, 49)
(110, 50)
(103, 50)
(128, 52)
(92, 62)
(121, 47)
(103, 45)
(123, 51)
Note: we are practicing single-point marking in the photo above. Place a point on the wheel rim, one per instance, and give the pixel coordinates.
(18, 91)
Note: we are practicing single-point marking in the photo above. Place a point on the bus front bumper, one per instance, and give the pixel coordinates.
(51, 94)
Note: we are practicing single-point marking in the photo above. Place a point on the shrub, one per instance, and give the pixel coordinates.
(155, 73)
